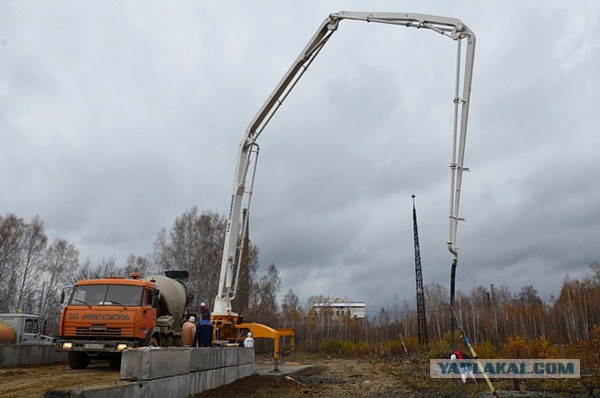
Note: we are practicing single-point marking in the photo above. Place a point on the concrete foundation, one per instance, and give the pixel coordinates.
(30, 354)
(172, 372)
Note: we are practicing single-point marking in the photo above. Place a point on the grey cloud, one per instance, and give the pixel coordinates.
(118, 117)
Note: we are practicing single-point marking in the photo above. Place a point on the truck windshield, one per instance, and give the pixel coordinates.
(107, 295)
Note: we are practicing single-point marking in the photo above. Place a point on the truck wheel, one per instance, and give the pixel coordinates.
(78, 360)
(153, 342)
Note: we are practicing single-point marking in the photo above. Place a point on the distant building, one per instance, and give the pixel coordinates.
(341, 308)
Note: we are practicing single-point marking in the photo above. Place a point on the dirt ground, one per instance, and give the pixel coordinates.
(370, 378)
(34, 381)
(329, 377)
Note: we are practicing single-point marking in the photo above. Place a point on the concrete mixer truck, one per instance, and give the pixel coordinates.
(105, 316)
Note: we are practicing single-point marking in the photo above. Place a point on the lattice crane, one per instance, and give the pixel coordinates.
(421, 316)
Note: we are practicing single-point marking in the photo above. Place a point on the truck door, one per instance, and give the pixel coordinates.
(30, 331)
(148, 313)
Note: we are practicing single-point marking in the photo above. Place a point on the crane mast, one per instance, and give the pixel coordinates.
(449, 27)
(421, 316)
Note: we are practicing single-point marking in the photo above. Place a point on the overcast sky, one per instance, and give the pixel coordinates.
(116, 117)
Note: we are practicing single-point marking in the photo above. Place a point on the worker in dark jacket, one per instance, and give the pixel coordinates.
(204, 332)
(204, 309)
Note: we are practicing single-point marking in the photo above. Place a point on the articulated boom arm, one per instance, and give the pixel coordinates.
(450, 27)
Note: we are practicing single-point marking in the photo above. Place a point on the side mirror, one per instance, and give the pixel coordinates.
(62, 297)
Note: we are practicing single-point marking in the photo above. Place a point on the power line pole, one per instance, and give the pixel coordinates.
(421, 317)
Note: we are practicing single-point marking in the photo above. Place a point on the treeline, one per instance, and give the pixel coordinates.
(35, 271)
(493, 318)
(493, 315)
(32, 269)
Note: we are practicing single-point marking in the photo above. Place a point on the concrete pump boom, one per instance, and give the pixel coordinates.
(449, 27)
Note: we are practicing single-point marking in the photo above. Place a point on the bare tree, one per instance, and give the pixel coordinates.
(408, 321)
(11, 232)
(84, 271)
(33, 245)
(383, 322)
(264, 307)
(61, 261)
(21, 253)
(195, 243)
(248, 267)
(595, 269)
(138, 264)
(290, 310)
(107, 268)
(438, 308)
(318, 298)
(479, 310)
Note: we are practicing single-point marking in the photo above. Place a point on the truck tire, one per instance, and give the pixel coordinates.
(153, 342)
(78, 360)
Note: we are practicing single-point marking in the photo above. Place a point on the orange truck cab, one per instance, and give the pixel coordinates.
(105, 316)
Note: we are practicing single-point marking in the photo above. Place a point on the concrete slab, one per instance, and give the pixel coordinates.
(30, 354)
(172, 372)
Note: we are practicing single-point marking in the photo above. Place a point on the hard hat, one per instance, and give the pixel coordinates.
(192, 319)
(249, 334)
(202, 304)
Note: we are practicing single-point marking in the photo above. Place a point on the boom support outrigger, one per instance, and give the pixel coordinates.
(448, 27)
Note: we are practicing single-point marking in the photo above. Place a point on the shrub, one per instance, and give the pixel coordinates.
(595, 345)
(587, 351)
(361, 349)
(331, 347)
(515, 347)
(440, 348)
(486, 350)
(519, 347)
(393, 348)
(541, 348)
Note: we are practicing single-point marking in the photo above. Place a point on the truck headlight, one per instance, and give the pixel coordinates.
(121, 346)
(67, 345)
